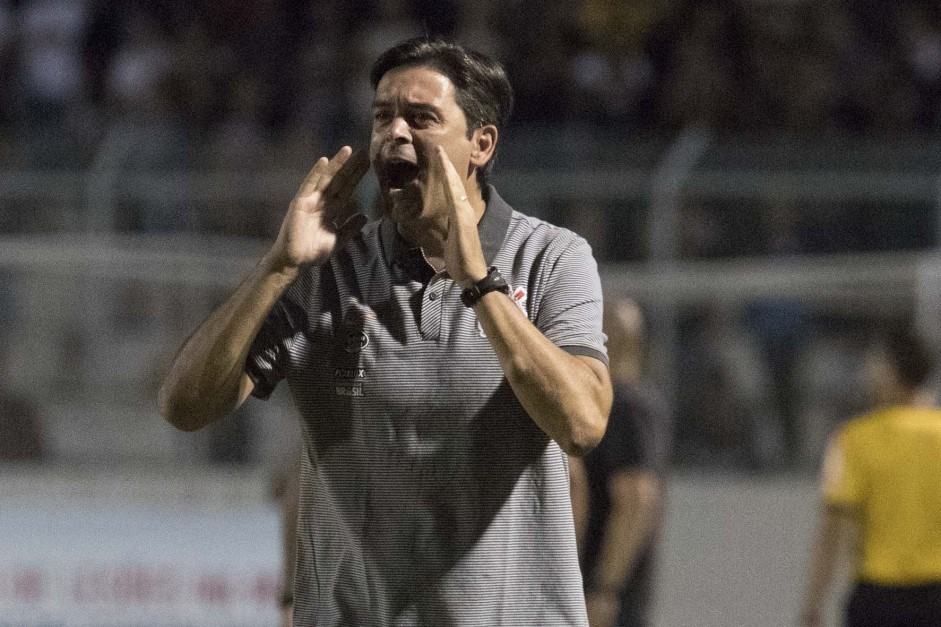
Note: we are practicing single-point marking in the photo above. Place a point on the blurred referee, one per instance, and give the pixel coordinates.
(881, 488)
(444, 360)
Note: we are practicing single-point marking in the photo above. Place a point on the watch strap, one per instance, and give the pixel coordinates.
(493, 282)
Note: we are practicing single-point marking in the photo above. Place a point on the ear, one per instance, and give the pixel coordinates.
(485, 142)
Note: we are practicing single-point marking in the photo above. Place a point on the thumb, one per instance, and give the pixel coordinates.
(351, 227)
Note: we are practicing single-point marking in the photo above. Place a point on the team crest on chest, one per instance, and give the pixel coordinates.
(354, 337)
(355, 341)
(350, 380)
(519, 296)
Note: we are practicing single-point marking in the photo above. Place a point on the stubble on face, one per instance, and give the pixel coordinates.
(414, 111)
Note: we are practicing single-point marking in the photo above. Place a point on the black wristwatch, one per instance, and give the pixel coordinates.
(493, 282)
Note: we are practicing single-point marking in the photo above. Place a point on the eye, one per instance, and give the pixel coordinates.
(381, 117)
(422, 118)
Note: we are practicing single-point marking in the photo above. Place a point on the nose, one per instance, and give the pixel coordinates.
(399, 131)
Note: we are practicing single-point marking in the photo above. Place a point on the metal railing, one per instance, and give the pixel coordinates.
(71, 270)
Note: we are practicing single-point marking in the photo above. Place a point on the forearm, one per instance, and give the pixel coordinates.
(630, 525)
(289, 511)
(832, 540)
(578, 489)
(568, 399)
(204, 381)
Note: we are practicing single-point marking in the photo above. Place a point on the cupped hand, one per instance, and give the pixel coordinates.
(322, 214)
(463, 254)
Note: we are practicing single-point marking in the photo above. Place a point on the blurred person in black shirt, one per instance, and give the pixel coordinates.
(618, 489)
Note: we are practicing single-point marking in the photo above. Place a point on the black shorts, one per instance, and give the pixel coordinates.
(872, 605)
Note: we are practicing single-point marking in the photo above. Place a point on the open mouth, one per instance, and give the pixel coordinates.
(399, 174)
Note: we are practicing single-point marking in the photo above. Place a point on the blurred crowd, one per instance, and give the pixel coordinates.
(269, 85)
(218, 82)
(224, 85)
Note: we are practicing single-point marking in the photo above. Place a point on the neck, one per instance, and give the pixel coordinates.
(918, 397)
(431, 234)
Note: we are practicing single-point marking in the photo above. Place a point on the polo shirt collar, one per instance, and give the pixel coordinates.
(491, 229)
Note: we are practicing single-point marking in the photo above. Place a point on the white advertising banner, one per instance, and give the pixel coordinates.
(75, 561)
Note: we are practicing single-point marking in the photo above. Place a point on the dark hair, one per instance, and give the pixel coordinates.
(482, 90)
(911, 356)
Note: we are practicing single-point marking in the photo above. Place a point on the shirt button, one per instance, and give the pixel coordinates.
(433, 296)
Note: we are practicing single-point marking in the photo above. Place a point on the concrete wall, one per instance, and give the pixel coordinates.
(734, 552)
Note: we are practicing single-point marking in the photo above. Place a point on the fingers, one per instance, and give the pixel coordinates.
(351, 227)
(339, 194)
(333, 167)
(341, 184)
(436, 185)
(310, 181)
(340, 211)
(333, 180)
(455, 192)
(323, 171)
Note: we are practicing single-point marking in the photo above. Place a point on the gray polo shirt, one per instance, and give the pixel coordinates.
(428, 495)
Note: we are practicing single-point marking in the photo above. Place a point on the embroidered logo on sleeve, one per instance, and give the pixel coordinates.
(519, 296)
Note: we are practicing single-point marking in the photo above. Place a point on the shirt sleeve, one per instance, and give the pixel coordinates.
(570, 311)
(267, 358)
(842, 478)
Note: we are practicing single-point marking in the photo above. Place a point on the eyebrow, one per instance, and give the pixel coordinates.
(421, 106)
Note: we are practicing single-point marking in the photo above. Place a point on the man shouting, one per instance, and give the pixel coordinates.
(443, 359)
